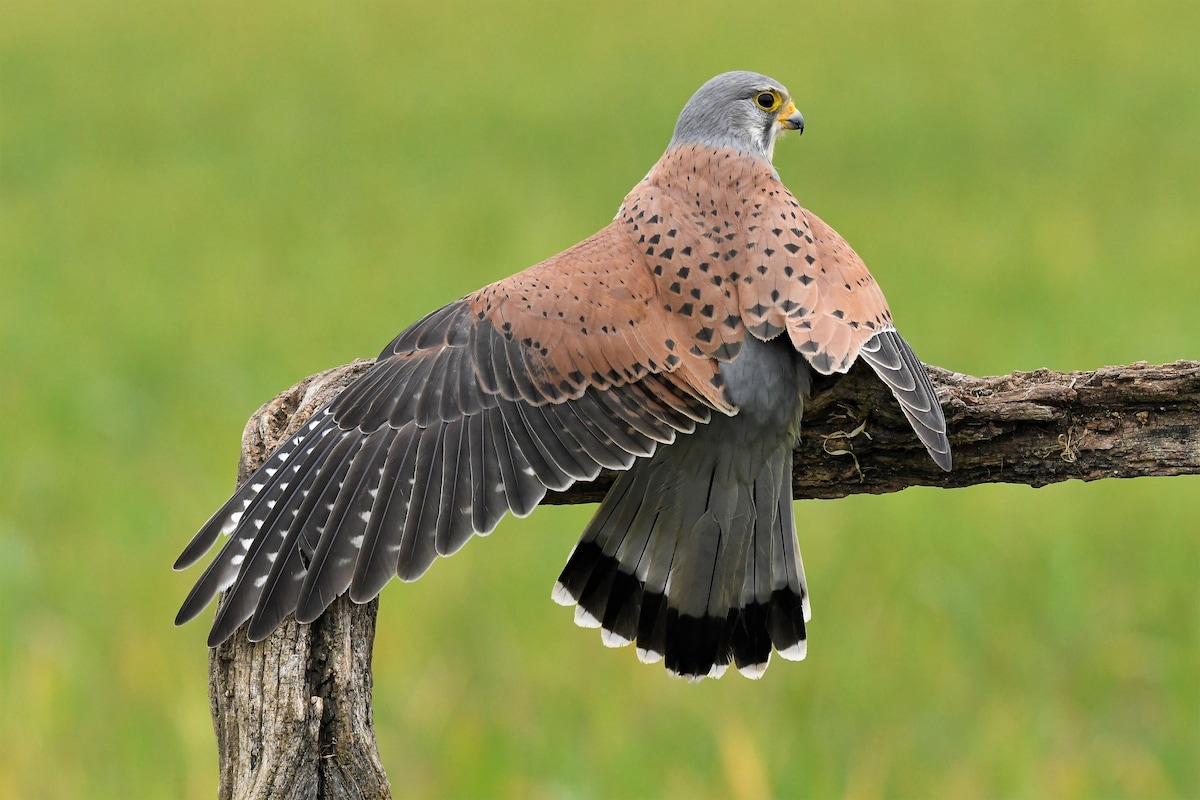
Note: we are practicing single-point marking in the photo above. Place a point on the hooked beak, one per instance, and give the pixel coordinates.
(790, 119)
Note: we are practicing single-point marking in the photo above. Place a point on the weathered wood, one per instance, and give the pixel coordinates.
(1032, 428)
(293, 713)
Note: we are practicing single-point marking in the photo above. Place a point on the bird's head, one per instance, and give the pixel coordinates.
(743, 110)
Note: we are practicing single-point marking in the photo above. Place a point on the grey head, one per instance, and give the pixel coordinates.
(742, 110)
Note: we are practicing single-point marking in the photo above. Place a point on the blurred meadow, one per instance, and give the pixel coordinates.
(204, 202)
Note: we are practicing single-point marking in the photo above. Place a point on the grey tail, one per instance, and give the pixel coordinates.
(693, 556)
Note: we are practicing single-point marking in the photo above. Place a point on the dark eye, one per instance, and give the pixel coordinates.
(767, 101)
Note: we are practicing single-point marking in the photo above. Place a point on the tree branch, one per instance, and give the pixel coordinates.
(1033, 428)
(293, 713)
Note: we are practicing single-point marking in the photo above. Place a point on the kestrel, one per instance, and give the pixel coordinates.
(676, 346)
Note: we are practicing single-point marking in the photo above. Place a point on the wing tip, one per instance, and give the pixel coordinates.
(186, 615)
(218, 635)
(200, 544)
(185, 560)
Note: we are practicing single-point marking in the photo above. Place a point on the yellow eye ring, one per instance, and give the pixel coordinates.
(768, 100)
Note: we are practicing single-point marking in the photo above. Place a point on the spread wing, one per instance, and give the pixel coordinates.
(586, 361)
(478, 409)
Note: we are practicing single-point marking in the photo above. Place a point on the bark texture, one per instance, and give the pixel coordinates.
(293, 713)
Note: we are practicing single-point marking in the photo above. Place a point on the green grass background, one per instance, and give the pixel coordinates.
(205, 202)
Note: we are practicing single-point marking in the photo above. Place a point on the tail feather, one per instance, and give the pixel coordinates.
(692, 555)
(652, 627)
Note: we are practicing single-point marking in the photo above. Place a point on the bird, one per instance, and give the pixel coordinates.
(676, 346)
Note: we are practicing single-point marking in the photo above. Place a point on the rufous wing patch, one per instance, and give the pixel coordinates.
(592, 317)
(850, 307)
